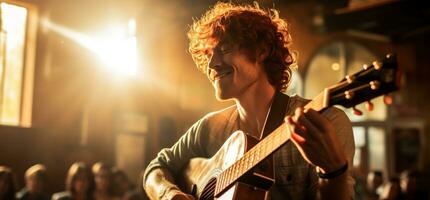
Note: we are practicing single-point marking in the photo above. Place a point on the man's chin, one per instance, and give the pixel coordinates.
(222, 96)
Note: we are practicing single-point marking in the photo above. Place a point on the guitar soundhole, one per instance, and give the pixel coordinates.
(208, 192)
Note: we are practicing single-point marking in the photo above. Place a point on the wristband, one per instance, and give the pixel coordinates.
(334, 173)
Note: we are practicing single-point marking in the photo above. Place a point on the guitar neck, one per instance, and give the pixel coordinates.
(262, 150)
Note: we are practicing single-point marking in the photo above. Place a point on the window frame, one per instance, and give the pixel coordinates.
(29, 56)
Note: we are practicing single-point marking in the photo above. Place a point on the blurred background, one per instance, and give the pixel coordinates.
(111, 81)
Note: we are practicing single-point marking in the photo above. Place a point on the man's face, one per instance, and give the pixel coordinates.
(232, 73)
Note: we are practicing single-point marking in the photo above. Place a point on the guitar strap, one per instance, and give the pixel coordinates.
(274, 119)
(276, 114)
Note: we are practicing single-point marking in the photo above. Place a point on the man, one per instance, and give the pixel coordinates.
(35, 184)
(245, 53)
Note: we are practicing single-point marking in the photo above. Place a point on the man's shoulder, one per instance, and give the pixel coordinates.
(220, 114)
(217, 124)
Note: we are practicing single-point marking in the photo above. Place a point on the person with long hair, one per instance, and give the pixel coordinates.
(103, 178)
(7, 184)
(121, 182)
(79, 184)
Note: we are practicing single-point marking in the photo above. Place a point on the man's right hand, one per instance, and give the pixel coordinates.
(160, 185)
(179, 195)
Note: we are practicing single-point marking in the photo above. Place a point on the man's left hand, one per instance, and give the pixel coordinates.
(315, 137)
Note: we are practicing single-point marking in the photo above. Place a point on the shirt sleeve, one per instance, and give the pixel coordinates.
(175, 157)
(346, 138)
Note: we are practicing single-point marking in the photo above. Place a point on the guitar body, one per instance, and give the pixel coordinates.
(201, 174)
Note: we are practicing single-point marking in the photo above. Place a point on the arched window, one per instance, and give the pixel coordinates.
(296, 83)
(328, 66)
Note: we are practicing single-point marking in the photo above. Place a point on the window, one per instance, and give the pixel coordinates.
(17, 46)
(329, 65)
(296, 83)
(377, 154)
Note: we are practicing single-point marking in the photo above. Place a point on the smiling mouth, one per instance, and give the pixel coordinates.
(220, 75)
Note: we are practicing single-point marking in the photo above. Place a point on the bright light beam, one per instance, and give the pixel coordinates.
(117, 51)
(110, 51)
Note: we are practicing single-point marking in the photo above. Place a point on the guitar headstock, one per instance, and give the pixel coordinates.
(379, 78)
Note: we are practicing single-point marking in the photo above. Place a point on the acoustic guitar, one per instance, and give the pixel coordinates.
(232, 173)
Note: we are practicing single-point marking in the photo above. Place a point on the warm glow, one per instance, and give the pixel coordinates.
(132, 27)
(117, 48)
(118, 53)
(335, 66)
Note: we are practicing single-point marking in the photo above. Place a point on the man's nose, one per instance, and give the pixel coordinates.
(214, 61)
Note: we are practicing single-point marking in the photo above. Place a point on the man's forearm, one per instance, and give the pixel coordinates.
(336, 188)
(158, 183)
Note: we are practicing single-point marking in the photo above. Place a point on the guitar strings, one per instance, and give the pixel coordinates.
(209, 190)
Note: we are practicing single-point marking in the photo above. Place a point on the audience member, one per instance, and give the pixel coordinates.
(391, 190)
(103, 180)
(121, 183)
(409, 186)
(7, 184)
(35, 184)
(79, 184)
(374, 184)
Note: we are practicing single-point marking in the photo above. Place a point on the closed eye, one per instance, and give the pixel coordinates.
(225, 48)
(226, 51)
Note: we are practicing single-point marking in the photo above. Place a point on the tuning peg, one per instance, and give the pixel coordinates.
(365, 66)
(377, 65)
(357, 112)
(388, 100)
(349, 94)
(349, 78)
(369, 106)
(374, 85)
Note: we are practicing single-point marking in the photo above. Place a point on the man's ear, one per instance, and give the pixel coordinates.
(262, 53)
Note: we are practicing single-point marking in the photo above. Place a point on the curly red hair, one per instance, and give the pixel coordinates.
(251, 28)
